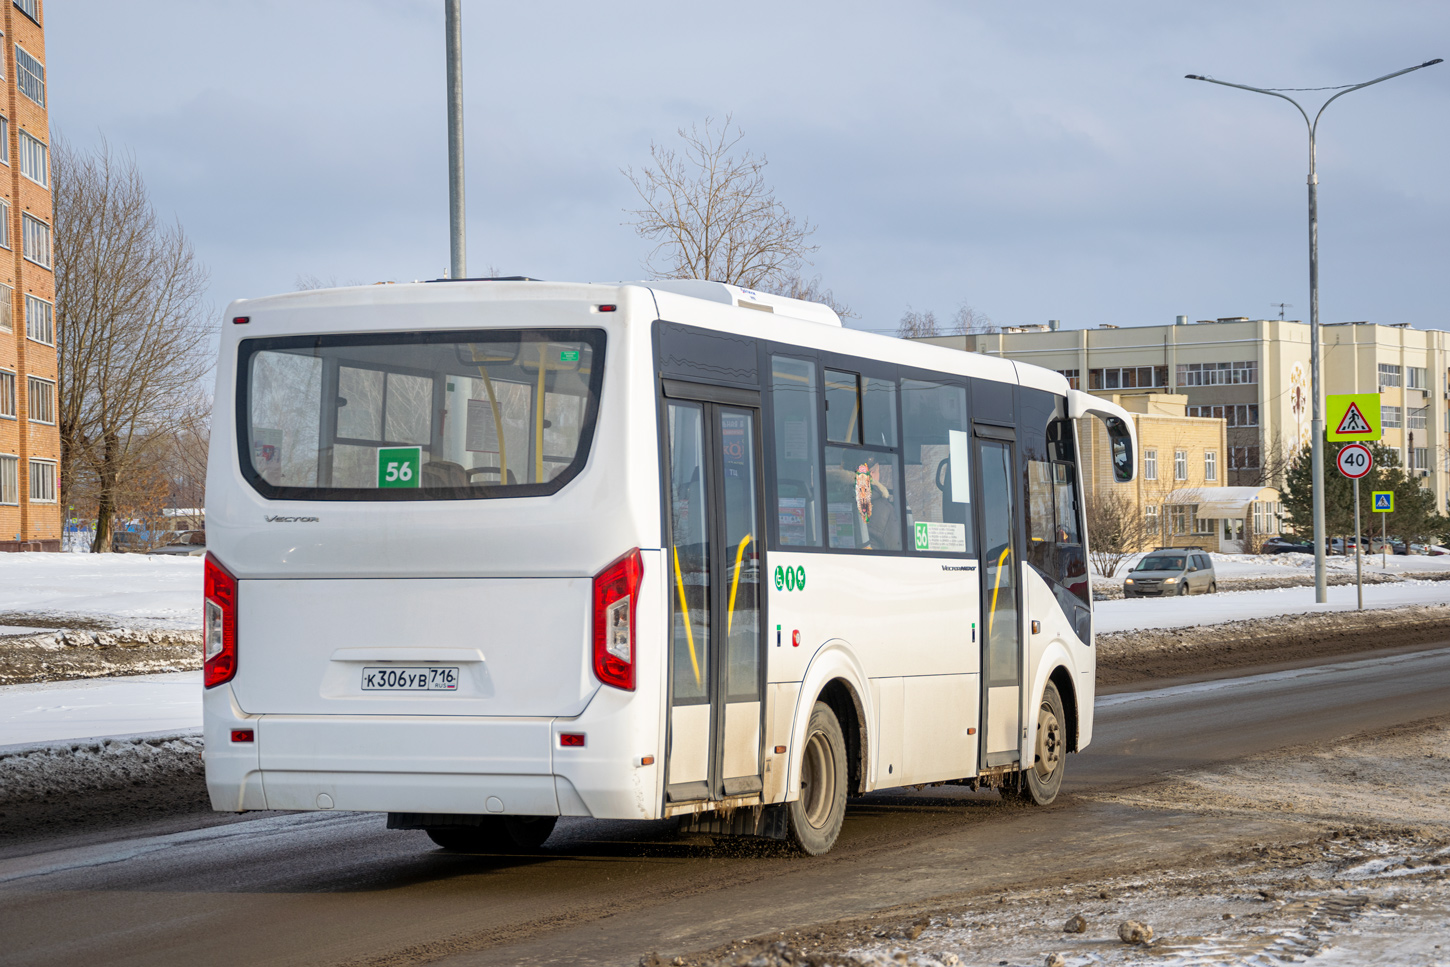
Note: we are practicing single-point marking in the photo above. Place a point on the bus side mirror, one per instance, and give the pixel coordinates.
(1122, 445)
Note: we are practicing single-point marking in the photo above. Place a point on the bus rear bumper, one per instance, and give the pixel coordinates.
(426, 764)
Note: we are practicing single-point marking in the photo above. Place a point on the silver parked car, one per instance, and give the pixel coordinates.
(186, 543)
(1171, 570)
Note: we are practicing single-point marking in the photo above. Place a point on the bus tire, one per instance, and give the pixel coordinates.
(816, 816)
(496, 834)
(1040, 781)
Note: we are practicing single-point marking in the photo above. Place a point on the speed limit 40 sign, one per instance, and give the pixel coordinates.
(1354, 460)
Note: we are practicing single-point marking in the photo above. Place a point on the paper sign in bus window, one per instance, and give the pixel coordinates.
(482, 429)
(949, 538)
(961, 483)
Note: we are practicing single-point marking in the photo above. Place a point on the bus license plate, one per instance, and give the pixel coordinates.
(410, 679)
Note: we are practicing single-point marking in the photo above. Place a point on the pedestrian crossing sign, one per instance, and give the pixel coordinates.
(1353, 416)
(1384, 501)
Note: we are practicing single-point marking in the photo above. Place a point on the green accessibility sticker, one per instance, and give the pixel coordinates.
(790, 578)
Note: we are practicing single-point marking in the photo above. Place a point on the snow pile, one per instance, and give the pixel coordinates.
(129, 590)
(60, 769)
(99, 706)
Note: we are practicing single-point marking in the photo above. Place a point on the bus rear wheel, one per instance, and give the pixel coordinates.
(1042, 778)
(816, 817)
(495, 834)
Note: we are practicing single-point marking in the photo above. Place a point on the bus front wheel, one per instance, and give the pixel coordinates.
(495, 834)
(1042, 778)
(816, 817)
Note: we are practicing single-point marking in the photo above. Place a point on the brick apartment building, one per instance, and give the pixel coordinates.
(30, 511)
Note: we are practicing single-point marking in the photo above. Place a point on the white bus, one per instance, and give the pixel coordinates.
(487, 553)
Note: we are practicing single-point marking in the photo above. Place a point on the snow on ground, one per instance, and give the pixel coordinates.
(121, 590)
(1230, 566)
(94, 707)
(1206, 609)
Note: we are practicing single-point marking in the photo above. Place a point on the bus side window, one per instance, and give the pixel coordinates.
(931, 413)
(797, 452)
(1071, 561)
(1041, 526)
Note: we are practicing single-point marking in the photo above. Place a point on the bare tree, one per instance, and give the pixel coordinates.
(965, 321)
(1116, 529)
(712, 215)
(131, 334)
(915, 325)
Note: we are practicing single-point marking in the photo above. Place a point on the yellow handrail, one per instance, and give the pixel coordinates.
(685, 610)
(735, 584)
(996, 585)
(503, 455)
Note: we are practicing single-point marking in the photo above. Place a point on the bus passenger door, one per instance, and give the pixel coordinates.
(715, 555)
(1001, 609)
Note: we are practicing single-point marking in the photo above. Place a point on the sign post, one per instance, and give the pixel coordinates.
(1355, 461)
(1384, 503)
(1353, 417)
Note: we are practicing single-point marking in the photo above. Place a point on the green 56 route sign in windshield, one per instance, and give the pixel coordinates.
(400, 466)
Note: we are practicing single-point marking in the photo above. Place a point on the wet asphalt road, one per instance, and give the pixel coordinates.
(341, 889)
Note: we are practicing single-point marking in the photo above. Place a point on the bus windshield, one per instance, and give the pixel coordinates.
(417, 416)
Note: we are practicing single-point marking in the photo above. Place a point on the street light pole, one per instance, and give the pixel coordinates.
(453, 42)
(1317, 422)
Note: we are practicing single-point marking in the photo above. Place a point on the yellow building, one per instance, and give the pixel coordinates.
(1255, 375)
(1181, 490)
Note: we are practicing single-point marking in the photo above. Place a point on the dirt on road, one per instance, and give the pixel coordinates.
(1369, 876)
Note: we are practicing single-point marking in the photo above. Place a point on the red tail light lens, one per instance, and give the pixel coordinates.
(616, 591)
(219, 624)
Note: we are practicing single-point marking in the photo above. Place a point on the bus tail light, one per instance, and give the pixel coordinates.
(616, 590)
(219, 624)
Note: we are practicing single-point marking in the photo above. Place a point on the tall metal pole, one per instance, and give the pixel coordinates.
(1321, 591)
(1358, 550)
(453, 33)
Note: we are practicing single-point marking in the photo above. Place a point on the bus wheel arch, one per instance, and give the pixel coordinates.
(1062, 678)
(851, 714)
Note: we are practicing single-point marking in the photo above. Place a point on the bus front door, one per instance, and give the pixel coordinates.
(715, 558)
(1001, 614)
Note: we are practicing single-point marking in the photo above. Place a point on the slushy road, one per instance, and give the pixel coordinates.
(324, 889)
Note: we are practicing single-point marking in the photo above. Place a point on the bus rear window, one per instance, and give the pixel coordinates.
(417, 416)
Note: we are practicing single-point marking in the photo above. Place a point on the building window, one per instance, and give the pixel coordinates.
(1180, 464)
(1240, 414)
(1418, 418)
(4, 136)
(1389, 375)
(1150, 464)
(1218, 374)
(30, 8)
(40, 400)
(1210, 465)
(42, 481)
(1201, 525)
(4, 223)
(1243, 458)
(7, 305)
(1416, 377)
(1391, 417)
(34, 159)
(39, 320)
(29, 76)
(9, 479)
(1072, 378)
(1266, 517)
(1178, 521)
(35, 239)
(1128, 377)
(7, 394)
(1150, 519)
(1422, 458)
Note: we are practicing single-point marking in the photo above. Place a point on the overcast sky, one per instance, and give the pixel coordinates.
(1033, 160)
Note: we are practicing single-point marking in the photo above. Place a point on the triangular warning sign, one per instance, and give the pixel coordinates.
(1354, 421)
